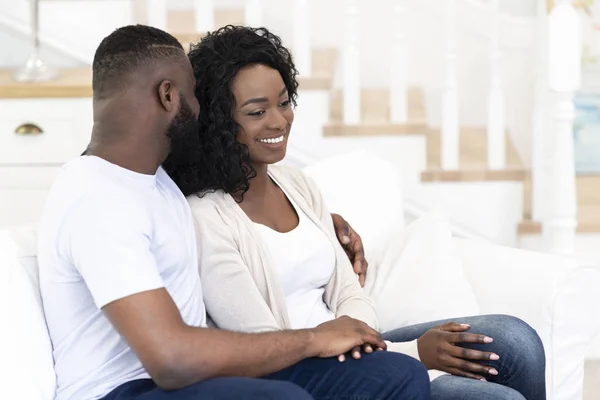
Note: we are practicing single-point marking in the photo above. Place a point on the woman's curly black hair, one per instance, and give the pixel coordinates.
(219, 161)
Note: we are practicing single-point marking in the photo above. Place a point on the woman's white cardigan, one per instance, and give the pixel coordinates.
(240, 282)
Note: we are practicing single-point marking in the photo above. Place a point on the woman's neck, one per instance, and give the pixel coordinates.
(259, 185)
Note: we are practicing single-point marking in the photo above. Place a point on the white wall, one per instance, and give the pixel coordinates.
(74, 28)
(519, 8)
(16, 47)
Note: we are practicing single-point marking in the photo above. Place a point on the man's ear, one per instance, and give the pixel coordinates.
(167, 95)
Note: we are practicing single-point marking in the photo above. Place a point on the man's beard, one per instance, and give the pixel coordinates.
(185, 141)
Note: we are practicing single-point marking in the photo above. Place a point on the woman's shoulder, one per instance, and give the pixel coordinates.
(206, 198)
(208, 203)
(291, 174)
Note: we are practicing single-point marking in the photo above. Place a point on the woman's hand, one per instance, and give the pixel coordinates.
(439, 348)
(352, 244)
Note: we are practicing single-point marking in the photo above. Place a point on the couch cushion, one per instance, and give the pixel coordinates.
(419, 276)
(28, 351)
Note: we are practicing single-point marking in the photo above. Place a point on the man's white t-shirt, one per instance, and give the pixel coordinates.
(106, 233)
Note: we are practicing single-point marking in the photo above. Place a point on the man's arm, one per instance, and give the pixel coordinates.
(176, 355)
(108, 240)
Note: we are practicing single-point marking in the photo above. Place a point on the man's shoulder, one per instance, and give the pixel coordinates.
(87, 195)
(80, 181)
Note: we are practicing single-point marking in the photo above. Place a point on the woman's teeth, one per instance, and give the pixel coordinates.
(273, 140)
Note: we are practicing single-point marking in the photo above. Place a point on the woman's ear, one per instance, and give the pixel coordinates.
(167, 95)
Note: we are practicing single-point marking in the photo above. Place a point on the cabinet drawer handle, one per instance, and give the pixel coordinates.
(28, 129)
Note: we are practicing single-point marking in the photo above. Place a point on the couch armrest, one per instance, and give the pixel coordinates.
(557, 296)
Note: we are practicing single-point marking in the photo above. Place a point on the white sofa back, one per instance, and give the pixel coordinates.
(366, 191)
(29, 372)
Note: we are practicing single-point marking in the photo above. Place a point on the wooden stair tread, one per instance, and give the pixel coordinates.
(472, 160)
(528, 227)
(372, 129)
(375, 115)
(72, 82)
(588, 207)
(375, 106)
(474, 175)
(473, 150)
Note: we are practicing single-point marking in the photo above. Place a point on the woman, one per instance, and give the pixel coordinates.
(270, 258)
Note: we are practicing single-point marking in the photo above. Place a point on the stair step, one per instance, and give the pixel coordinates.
(472, 159)
(72, 82)
(473, 149)
(588, 207)
(375, 106)
(474, 175)
(181, 25)
(528, 227)
(372, 129)
(375, 115)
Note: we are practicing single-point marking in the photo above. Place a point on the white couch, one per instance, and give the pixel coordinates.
(557, 296)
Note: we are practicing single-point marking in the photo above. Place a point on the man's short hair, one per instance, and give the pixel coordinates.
(127, 49)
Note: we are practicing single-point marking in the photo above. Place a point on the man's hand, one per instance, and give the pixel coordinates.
(439, 348)
(346, 335)
(352, 244)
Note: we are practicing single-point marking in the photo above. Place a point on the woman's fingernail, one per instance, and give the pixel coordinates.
(341, 358)
(487, 340)
(465, 325)
(494, 357)
(483, 379)
(345, 239)
(493, 372)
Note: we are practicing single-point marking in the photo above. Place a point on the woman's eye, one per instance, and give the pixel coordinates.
(256, 113)
(284, 103)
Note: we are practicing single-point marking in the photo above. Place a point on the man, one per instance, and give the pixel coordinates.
(118, 265)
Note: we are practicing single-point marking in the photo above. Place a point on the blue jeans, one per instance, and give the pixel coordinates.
(376, 376)
(521, 367)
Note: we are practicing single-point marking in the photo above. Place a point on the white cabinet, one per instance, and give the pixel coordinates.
(29, 161)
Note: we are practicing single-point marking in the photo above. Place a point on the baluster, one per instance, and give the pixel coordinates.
(399, 67)
(565, 77)
(450, 106)
(157, 13)
(204, 12)
(496, 145)
(254, 13)
(541, 166)
(351, 66)
(301, 46)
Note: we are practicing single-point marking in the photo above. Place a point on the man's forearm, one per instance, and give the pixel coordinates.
(212, 353)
